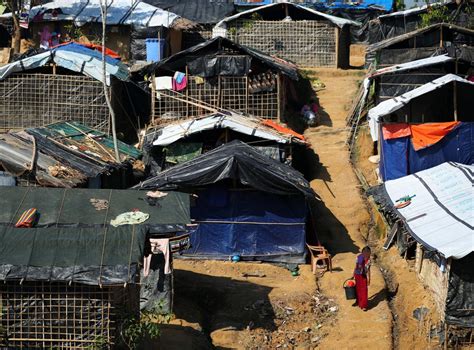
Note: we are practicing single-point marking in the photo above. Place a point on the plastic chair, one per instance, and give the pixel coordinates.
(319, 253)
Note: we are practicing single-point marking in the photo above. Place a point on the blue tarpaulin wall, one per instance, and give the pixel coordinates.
(398, 157)
(252, 224)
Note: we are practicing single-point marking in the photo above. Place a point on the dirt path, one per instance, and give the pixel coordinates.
(342, 219)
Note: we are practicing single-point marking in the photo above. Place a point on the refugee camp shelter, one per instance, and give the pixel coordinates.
(393, 81)
(176, 143)
(292, 32)
(246, 204)
(68, 154)
(61, 84)
(219, 74)
(75, 277)
(397, 23)
(424, 127)
(204, 13)
(439, 219)
(129, 23)
(425, 42)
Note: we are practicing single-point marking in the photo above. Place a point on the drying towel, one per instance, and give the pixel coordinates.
(164, 83)
(130, 218)
(27, 219)
(179, 77)
(180, 86)
(162, 245)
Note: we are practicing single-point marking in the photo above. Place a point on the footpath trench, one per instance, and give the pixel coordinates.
(343, 220)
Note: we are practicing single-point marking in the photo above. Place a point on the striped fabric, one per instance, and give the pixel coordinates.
(27, 219)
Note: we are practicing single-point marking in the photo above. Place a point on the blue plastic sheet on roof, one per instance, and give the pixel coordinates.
(74, 47)
(398, 158)
(252, 224)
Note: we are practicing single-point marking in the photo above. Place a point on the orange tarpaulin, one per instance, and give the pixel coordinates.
(425, 135)
(282, 129)
(395, 131)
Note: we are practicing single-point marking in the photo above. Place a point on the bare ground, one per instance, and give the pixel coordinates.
(343, 219)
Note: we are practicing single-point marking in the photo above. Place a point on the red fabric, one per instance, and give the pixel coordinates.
(427, 134)
(282, 129)
(395, 131)
(362, 291)
(97, 47)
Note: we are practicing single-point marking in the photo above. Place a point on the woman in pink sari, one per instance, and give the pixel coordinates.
(362, 278)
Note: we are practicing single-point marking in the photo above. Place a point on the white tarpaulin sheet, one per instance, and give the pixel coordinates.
(80, 62)
(119, 12)
(389, 106)
(241, 124)
(413, 65)
(441, 215)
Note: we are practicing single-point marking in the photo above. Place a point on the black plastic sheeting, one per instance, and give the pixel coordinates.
(235, 160)
(72, 208)
(137, 41)
(211, 66)
(87, 255)
(156, 289)
(216, 46)
(460, 298)
(392, 26)
(359, 35)
(199, 11)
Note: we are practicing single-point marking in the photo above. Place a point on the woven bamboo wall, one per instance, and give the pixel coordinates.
(59, 315)
(220, 92)
(306, 43)
(34, 100)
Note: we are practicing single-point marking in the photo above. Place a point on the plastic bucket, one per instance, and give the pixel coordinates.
(350, 290)
(154, 49)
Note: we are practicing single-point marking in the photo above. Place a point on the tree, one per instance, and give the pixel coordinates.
(14, 6)
(103, 13)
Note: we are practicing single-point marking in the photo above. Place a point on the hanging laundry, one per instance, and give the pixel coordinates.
(179, 77)
(130, 218)
(179, 81)
(162, 245)
(164, 83)
(199, 80)
(28, 218)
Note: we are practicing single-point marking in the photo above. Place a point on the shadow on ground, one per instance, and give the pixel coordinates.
(221, 302)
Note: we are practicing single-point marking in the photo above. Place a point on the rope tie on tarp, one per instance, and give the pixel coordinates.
(106, 227)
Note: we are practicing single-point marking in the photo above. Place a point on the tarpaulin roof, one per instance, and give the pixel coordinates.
(221, 45)
(388, 107)
(199, 11)
(79, 152)
(72, 56)
(424, 62)
(395, 40)
(244, 125)
(414, 10)
(82, 255)
(72, 208)
(221, 28)
(440, 216)
(234, 160)
(119, 12)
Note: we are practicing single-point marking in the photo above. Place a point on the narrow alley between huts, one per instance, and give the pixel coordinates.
(236, 174)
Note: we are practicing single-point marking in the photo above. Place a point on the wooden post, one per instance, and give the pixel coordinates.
(54, 68)
(287, 13)
(153, 98)
(441, 36)
(218, 102)
(455, 102)
(187, 90)
(337, 33)
(247, 94)
(278, 98)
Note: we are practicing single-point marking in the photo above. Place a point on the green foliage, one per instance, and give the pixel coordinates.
(399, 5)
(438, 14)
(134, 331)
